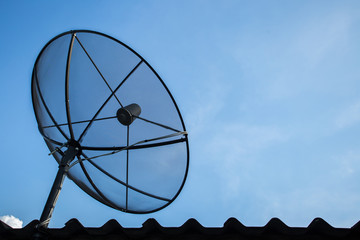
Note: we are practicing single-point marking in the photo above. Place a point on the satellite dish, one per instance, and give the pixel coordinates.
(110, 122)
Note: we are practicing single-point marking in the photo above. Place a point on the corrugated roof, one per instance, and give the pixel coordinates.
(191, 229)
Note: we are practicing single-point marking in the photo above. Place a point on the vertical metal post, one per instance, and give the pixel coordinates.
(69, 155)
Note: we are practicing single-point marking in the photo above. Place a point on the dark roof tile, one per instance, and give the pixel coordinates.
(276, 226)
(110, 227)
(319, 226)
(232, 225)
(149, 227)
(191, 229)
(74, 227)
(192, 225)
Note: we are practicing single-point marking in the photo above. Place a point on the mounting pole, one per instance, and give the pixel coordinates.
(68, 156)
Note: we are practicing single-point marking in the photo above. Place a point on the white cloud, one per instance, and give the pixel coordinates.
(12, 221)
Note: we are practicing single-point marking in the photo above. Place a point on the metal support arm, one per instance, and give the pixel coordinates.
(69, 155)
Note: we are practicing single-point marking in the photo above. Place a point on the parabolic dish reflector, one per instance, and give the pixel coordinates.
(94, 92)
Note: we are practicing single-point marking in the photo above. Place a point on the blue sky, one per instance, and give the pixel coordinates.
(269, 92)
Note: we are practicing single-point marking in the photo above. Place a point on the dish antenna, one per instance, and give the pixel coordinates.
(110, 122)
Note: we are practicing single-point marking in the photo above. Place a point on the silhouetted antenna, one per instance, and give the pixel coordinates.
(110, 122)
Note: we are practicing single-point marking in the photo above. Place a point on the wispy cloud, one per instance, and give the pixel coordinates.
(289, 61)
(205, 104)
(12, 221)
(348, 116)
(236, 139)
(234, 149)
(348, 166)
(320, 37)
